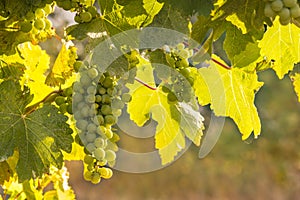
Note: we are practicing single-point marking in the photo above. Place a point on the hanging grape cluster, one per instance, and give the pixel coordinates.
(84, 13)
(64, 101)
(96, 109)
(177, 82)
(285, 9)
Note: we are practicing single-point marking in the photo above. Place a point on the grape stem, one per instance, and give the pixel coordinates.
(145, 84)
(32, 108)
(214, 60)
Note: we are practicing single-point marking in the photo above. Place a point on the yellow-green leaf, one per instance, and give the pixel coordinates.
(63, 66)
(282, 44)
(174, 121)
(230, 93)
(296, 83)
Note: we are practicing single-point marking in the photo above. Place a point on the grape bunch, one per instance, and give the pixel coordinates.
(285, 9)
(84, 13)
(176, 77)
(97, 103)
(64, 101)
(37, 24)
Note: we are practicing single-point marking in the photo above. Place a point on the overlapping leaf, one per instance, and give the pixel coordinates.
(230, 93)
(282, 44)
(39, 136)
(175, 121)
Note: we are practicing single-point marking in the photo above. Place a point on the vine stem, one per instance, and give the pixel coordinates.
(32, 108)
(214, 60)
(221, 64)
(145, 84)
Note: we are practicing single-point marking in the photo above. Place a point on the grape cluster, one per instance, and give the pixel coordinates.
(64, 101)
(98, 101)
(176, 78)
(285, 9)
(37, 23)
(85, 13)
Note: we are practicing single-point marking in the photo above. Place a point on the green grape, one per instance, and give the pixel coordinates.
(95, 178)
(117, 112)
(88, 159)
(98, 98)
(26, 26)
(87, 175)
(106, 99)
(268, 11)
(90, 137)
(180, 46)
(90, 147)
(184, 53)
(39, 13)
(39, 24)
(100, 142)
(91, 89)
(77, 97)
(77, 65)
(93, 73)
(66, 5)
(63, 108)
(108, 82)
(102, 90)
(30, 16)
(90, 98)
(295, 11)
(166, 89)
(105, 172)
(100, 119)
(91, 128)
(92, 10)
(99, 153)
(70, 109)
(110, 119)
(85, 80)
(126, 97)
(284, 13)
(68, 92)
(106, 109)
(277, 5)
(172, 97)
(284, 21)
(86, 16)
(110, 155)
(117, 104)
(290, 3)
(82, 124)
(77, 19)
(110, 91)
(85, 111)
(48, 9)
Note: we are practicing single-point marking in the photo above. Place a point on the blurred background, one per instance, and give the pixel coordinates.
(265, 168)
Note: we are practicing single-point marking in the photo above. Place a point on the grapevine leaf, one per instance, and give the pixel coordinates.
(10, 40)
(135, 14)
(63, 66)
(250, 13)
(296, 83)
(5, 172)
(235, 38)
(246, 57)
(39, 136)
(175, 121)
(230, 93)
(285, 44)
(12, 71)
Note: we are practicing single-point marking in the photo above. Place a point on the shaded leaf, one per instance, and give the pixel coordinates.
(39, 136)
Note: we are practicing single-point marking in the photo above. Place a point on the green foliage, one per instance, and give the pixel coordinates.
(39, 136)
(36, 114)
